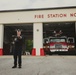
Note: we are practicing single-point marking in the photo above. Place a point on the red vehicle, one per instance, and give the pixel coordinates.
(59, 44)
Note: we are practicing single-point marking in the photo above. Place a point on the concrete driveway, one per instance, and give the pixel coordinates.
(44, 65)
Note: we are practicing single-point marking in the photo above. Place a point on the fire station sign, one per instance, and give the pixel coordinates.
(32, 16)
(57, 15)
(61, 15)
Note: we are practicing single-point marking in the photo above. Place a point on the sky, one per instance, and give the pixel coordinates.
(34, 4)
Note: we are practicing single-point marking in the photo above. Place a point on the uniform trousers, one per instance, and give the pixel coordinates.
(17, 57)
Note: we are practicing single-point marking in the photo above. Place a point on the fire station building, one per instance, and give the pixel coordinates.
(36, 24)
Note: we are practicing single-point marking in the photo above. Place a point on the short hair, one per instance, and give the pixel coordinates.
(19, 30)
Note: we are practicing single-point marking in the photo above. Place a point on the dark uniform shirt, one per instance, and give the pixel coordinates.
(18, 43)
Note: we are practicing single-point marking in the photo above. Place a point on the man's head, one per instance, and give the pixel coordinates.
(18, 32)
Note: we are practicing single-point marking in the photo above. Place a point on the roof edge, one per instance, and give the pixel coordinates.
(36, 9)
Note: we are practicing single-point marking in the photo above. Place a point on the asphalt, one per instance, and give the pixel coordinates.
(39, 65)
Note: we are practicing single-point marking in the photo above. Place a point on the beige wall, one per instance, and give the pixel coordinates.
(38, 37)
(53, 15)
(1, 36)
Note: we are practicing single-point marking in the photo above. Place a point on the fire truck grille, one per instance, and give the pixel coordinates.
(58, 46)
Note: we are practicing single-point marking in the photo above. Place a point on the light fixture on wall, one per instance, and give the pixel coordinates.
(37, 30)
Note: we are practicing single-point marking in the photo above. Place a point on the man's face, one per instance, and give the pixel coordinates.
(18, 33)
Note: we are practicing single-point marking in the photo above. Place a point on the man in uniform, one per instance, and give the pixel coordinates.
(18, 42)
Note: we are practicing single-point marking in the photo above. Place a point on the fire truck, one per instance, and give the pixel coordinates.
(59, 44)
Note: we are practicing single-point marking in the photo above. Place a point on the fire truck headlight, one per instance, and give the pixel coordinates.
(48, 47)
(71, 46)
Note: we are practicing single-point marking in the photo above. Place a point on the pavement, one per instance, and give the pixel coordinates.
(39, 65)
